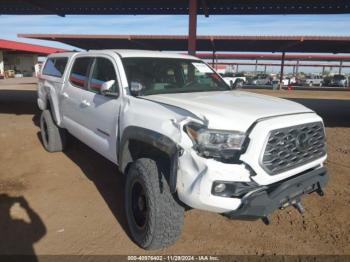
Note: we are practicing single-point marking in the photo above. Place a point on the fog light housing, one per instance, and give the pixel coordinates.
(219, 188)
(233, 189)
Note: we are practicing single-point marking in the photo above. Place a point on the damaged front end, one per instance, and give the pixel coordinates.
(215, 179)
(207, 156)
(262, 201)
(219, 170)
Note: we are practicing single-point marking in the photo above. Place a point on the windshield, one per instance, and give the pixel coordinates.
(168, 75)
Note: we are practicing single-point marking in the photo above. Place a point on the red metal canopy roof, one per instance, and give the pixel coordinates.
(15, 46)
(302, 57)
(233, 43)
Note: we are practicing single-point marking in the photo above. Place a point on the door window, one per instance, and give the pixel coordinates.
(103, 71)
(79, 74)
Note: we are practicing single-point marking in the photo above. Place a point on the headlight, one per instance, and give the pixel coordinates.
(216, 143)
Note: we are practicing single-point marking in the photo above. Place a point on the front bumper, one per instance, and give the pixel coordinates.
(262, 202)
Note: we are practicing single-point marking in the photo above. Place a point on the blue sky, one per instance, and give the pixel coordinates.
(165, 24)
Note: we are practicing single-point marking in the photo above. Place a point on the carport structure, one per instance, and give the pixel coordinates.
(214, 43)
(177, 7)
(271, 44)
(297, 58)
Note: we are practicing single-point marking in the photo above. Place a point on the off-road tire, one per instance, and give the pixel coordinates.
(53, 137)
(164, 216)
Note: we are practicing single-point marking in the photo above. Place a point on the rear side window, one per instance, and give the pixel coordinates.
(103, 71)
(79, 73)
(55, 66)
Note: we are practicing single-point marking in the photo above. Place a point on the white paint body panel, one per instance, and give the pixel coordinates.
(167, 114)
(231, 110)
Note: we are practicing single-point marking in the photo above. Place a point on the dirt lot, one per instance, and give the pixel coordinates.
(71, 202)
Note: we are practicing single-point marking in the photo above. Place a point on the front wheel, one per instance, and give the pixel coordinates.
(154, 217)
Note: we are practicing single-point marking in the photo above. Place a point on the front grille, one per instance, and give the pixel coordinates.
(290, 147)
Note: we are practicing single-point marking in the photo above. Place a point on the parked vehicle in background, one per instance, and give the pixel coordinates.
(181, 137)
(289, 81)
(285, 82)
(337, 81)
(312, 80)
(260, 79)
(236, 80)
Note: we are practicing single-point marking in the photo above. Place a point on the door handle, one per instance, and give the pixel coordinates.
(65, 95)
(85, 103)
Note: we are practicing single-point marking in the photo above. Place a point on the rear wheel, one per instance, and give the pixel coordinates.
(154, 217)
(53, 137)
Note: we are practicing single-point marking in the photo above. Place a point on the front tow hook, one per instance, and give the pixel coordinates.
(298, 206)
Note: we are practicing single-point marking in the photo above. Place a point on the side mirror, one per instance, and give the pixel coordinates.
(136, 88)
(106, 87)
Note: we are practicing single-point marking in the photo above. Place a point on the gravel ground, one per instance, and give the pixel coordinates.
(71, 202)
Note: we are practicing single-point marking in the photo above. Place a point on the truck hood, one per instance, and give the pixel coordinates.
(230, 110)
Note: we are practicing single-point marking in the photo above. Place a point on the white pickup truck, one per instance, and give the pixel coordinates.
(312, 80)
(182, 138)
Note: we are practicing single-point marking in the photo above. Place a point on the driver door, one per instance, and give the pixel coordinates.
(101, 112)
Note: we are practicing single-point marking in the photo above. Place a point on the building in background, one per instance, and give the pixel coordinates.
(19, 59)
